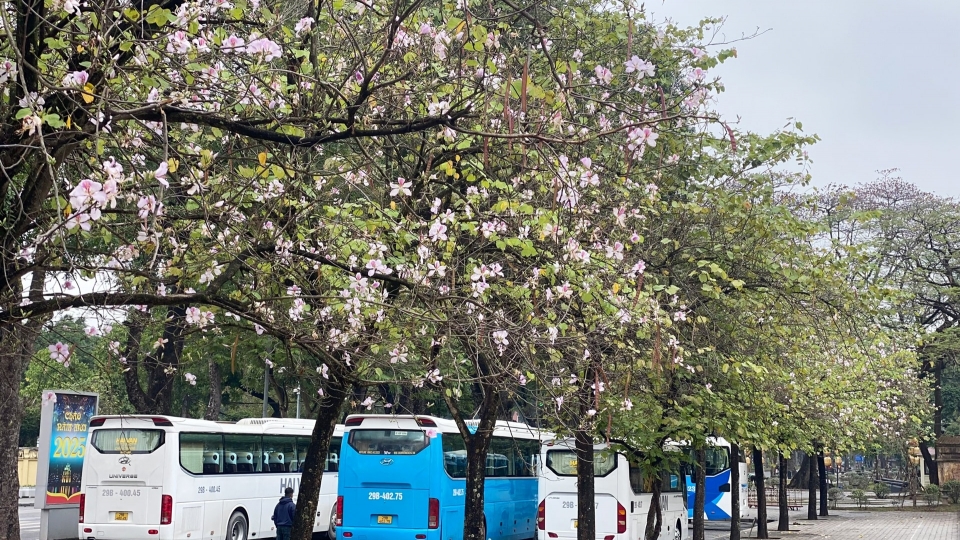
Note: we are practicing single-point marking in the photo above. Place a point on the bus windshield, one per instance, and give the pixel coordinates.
(388, 441)
(564, 462)
(127, 441)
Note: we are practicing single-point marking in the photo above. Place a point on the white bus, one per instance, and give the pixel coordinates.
(717, 498)
(622, 496)
(162, 477)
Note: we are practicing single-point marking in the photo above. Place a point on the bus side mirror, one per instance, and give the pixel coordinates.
(725, 488)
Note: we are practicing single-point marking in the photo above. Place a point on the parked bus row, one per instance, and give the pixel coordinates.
(161, 477)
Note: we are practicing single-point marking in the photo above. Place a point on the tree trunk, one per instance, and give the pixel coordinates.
(811, 490)
(17, 344)
(784, 522)
(700, 481)
(799, 480)
(327, 415)
(938, 398)
(474, 520)
(215, 403)
(930, 462)
(734, 491)
(655, 513)
(822, 473)
(586, 513)
(760, 481)
(17, 341)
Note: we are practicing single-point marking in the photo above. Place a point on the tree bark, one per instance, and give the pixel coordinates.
(699, 498)
(811, 490)
(784, 522)
(215, 403)
(586, 513)
(655, 513)
(799, 480)
(17, 341)
(822, 474)
(930, 462)
(474, 520)
(760, 481)
(734, 491)
(17, 345)
(327, 415)
(160, 366)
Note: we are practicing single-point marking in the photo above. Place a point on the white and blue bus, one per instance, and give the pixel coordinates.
(405, 477)
(169, 478)
(717, 499)
(623, 495)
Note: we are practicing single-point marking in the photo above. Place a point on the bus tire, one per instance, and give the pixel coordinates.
(332, 526)
(678, 533)
(237, 526)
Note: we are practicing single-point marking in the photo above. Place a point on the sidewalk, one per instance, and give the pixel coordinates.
(863, 525)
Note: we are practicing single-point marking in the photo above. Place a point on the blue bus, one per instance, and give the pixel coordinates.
(717, 499)
(404, 477)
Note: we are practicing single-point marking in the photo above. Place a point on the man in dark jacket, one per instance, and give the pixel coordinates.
(283, 515)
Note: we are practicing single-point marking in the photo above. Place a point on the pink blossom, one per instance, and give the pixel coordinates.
(304, 25)
(49, 398)
(639, 66)
(161, 174)
(190, 378)
(603, 74)
(76, 79)
(79, 220)
(60, 353)
(264, 47)
(400, 187)
(233, 44)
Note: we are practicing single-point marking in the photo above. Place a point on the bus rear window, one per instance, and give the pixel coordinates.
(127, 441)
(564, 462)
(388, 441)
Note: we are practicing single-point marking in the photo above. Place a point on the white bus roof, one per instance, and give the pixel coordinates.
(245, 425)
(445, 425)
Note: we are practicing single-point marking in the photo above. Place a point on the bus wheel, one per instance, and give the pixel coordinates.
(678, 532)
(237, 527)
(332, 527)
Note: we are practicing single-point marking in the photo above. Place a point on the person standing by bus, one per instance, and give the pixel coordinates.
(283, 514)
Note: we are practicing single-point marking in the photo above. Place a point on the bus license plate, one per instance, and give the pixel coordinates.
(384, 520)
(121, 516)
(574, 524)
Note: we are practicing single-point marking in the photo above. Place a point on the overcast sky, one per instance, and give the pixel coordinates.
(877, 80)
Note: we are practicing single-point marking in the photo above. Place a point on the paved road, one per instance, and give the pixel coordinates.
(29, 523)
(841, 525)
(866, 525)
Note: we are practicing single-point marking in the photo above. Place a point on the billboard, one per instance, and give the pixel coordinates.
(64, 419)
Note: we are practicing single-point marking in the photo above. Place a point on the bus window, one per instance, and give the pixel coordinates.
(564, 462)
(201, 453)
(244, 450)
(454, 455)
(388, 441)
(279, 452)
(127, 441)
(718, 459)
(512, 457)
(333, 455)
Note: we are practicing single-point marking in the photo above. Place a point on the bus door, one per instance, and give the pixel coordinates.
(385, 478)
(123, 475)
